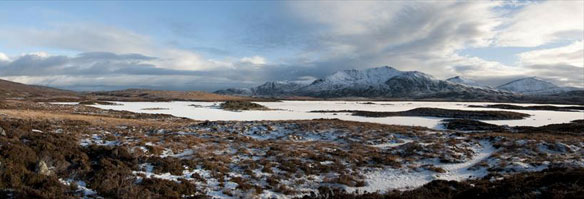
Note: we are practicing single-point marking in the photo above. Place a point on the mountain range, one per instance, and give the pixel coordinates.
(375, 83)
(388, 82)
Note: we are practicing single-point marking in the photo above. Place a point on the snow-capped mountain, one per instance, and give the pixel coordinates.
(272, 88)
(532, 85)
(276, 88)
(354, 79)
(374, 82)
(464, 81)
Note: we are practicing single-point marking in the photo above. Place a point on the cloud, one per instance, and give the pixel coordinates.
(106, 71)
(301, 39)
(572, 54)
(408, 35)
(543, 22)
(102, 38)
(4, 57)
(255, 60)
(563, 65)
(427, 37)
(93, 63)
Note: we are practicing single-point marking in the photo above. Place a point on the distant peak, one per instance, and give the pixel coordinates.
(534, 78)
(461, 80)
(528, 84)
(386, 67)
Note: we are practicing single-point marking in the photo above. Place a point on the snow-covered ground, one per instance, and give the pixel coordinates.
(387, 179)
(81, 188)
(287, 159)
(294, 110)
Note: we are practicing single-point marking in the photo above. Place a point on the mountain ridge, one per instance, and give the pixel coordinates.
(465, 81)
(388, 82)
(533, 85)
(379, 82)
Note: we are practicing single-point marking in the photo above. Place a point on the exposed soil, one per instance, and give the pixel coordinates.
(437, 112)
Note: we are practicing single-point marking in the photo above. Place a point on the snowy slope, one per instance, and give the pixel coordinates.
(373, 77)
(532, 85)
(464, 81)
(279, 87)
(373, 82)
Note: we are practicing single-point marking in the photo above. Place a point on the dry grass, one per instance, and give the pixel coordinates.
(159, 95)
(228, 155)
(96, 120)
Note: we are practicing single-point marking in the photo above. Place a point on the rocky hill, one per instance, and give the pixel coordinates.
(381, 82)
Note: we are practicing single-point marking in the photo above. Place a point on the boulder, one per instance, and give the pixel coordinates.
(2, 132)
(43, 169)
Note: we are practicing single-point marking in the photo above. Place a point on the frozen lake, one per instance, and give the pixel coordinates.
(300, 110)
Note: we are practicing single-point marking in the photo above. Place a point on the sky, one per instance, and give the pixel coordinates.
(187, 45)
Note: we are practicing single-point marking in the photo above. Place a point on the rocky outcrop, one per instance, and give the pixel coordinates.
(43, 169)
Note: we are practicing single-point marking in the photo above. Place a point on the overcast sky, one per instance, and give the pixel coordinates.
(212, 45)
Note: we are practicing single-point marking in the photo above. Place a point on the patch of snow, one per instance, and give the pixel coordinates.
(393, 144)
(382, 180)
(81, 187)
(98, 140)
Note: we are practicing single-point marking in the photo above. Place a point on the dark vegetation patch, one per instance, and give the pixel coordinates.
(94, 102)
(550, 183)
(105, 169)
(574, 127)
(471, 125)
(154, 109)
(437, 112)
(241, 105)
(543, 107)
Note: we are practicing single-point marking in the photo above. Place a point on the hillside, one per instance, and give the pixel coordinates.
(162, 95)
(464, 81)
(14, 90)
(388, 83)
(533, 86)
(380, 82)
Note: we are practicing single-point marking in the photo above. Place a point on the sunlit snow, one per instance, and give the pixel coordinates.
(297, 110)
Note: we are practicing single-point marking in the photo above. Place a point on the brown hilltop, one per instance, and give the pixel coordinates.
(14, 90)
(163, 95)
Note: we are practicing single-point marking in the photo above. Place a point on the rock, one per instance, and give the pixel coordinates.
(43, 169)
(59, 131)
(2, 132)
